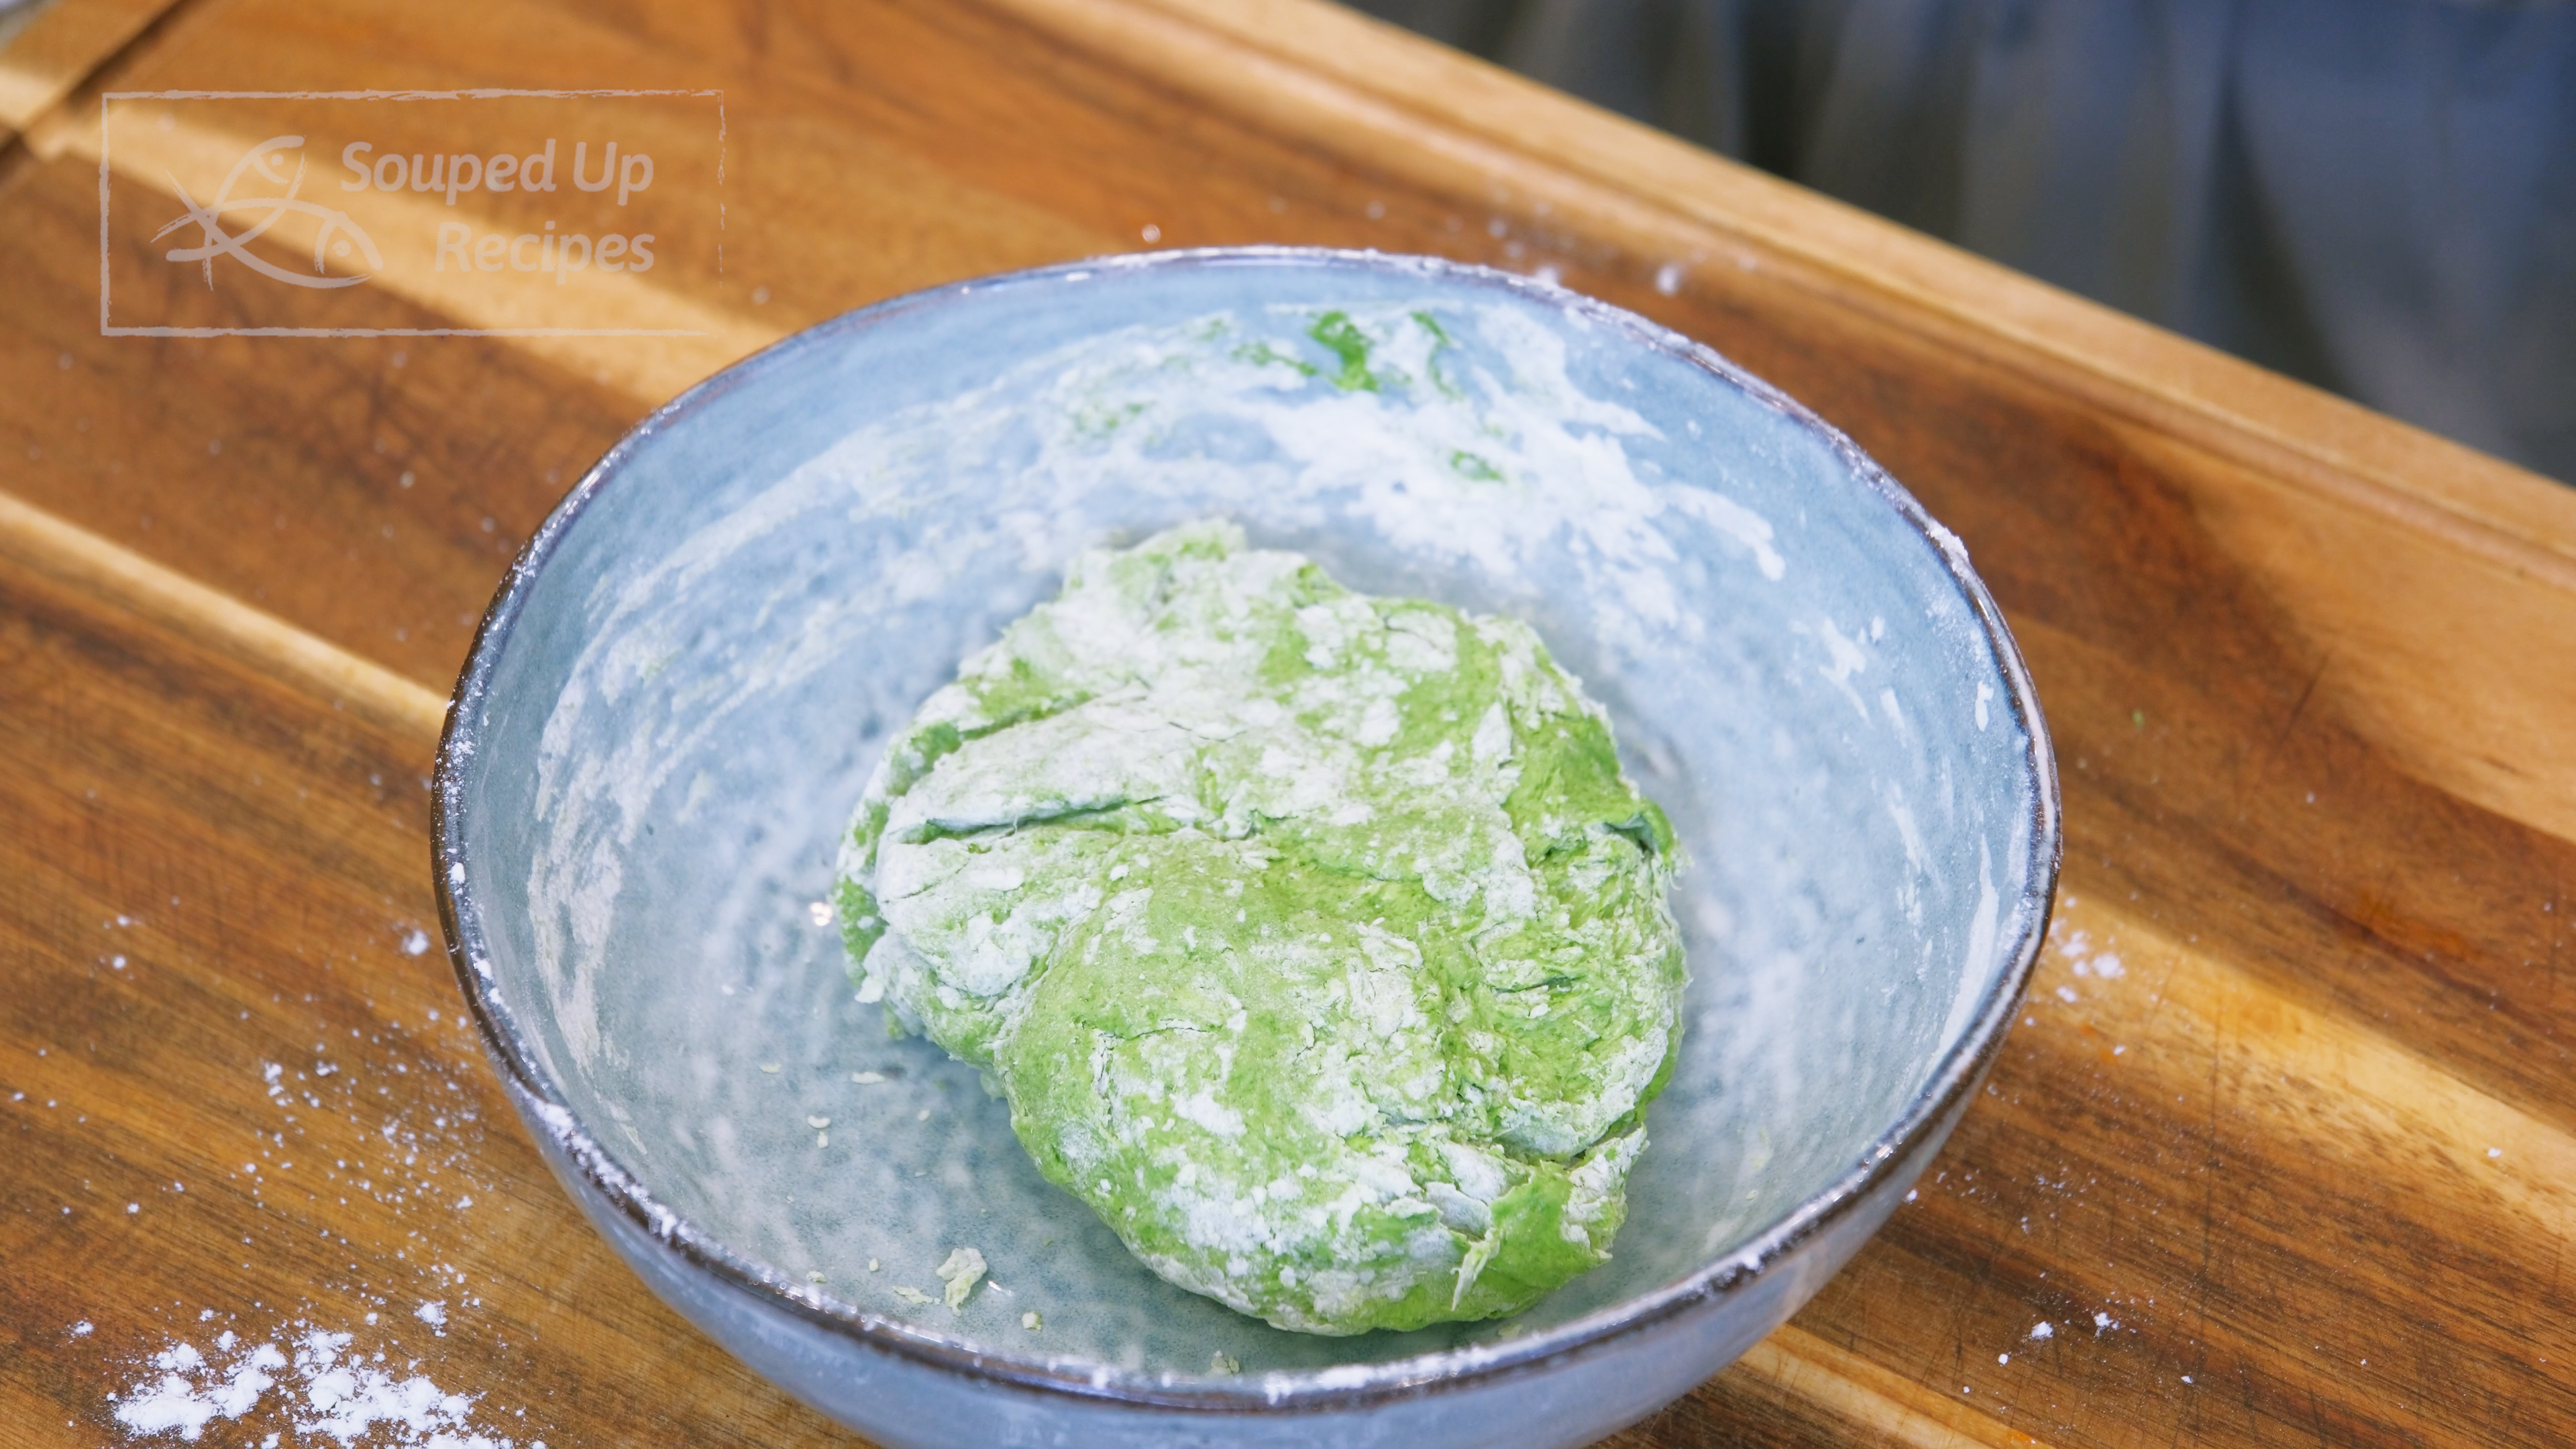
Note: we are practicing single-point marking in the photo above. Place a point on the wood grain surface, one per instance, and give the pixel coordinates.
(2283, 1152)
(60, 47)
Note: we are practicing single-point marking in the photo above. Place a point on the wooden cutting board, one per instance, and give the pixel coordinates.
(2282, 1152)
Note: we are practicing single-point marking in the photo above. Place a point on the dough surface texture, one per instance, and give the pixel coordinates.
(1315, 939)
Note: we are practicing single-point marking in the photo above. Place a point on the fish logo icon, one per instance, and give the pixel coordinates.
(335, 235)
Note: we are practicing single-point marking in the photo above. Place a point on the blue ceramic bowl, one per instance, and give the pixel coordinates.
(680, 690)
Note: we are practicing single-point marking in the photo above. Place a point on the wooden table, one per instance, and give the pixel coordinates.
(2303, 1171)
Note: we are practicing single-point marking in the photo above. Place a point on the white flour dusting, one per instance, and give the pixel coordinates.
(339, 1134)
(326, 1394)
(2077, 947)
(190, 1392)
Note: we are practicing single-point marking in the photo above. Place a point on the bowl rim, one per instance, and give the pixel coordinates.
(1342, 1387)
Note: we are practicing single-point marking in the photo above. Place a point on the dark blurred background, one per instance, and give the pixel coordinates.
(2377, 196)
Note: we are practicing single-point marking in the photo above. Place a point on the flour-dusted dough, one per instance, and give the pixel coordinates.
(1316, 939)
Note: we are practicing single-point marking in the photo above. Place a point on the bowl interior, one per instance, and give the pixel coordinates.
(755, 590)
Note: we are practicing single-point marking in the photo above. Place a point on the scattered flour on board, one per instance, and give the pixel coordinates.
(325, 1394)
(296, 1385)
(2078, 948)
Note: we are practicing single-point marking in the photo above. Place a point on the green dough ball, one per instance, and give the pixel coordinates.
(1315, 939)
